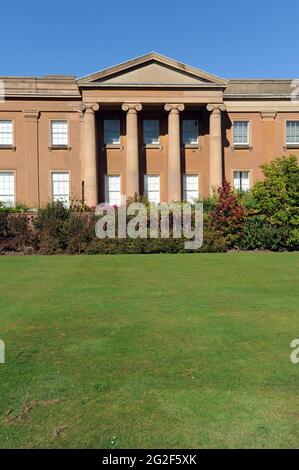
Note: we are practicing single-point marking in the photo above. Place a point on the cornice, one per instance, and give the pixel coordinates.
(262, 106)
(150, 85)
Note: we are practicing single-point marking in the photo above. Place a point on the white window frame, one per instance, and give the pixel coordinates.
(154, 142)
(195, 142)
(244, 143)
(63, 196)
(186, 190)
(112, 196)
(295, 144)
(10, 194)
(104, 132)
(52, 133)
(151, 192)
(11, 142)
(249, 181)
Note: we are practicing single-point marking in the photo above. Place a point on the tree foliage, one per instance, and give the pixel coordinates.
(277, 196)
(228, 215)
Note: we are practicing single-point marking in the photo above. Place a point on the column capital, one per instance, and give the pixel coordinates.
(216, 107)
(89, 107)
(174, 107)
(132, 107)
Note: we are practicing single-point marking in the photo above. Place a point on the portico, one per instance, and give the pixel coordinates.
(133, 92)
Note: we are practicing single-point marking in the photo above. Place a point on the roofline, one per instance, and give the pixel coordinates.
(272, 96)
(261, 80)
(119, 64)
(73, 77)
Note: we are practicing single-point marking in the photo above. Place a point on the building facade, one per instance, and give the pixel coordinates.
(150, 126)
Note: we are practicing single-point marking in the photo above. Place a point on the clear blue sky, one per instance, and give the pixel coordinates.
(257, 38)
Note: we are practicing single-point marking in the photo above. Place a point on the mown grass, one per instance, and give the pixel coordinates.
(149, 351)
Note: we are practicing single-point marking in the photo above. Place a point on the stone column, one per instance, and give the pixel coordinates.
(215, 179)
(132, 153)
(174, 152)
(89, 152)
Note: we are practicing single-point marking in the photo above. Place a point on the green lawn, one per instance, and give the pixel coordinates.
(149, 351)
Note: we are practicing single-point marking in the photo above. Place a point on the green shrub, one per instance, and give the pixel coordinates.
(209, 203)
(135, 246)
(17, 208)
(277, 196)
(259, 234)
(247, 200)
(79, 231)
(51, 236)
(58, 229)
(77, 205)
(16, 234)
(3, 224)
(213, 240)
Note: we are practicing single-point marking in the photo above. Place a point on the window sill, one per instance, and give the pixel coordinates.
(8, 147)
(192, 146)
(153, 146)
(241, 147)
(60, 147)
(291, 146)
(113, 146)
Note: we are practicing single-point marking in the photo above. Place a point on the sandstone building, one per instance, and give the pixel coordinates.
(149, 126)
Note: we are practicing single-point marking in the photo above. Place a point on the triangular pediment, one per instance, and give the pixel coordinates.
(151, 70)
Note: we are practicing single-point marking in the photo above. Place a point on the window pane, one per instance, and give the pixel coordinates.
(241, 180)
(151, 131)
(112, 190)
(61, 187)
(190, 131)
(292, 132)
(59, 132)
(7, 188)
(241, 132)
(111, 131)
(190, 187)
(6, 132)
(152, 188)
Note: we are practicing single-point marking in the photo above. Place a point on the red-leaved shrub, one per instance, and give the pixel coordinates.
(228, 215)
